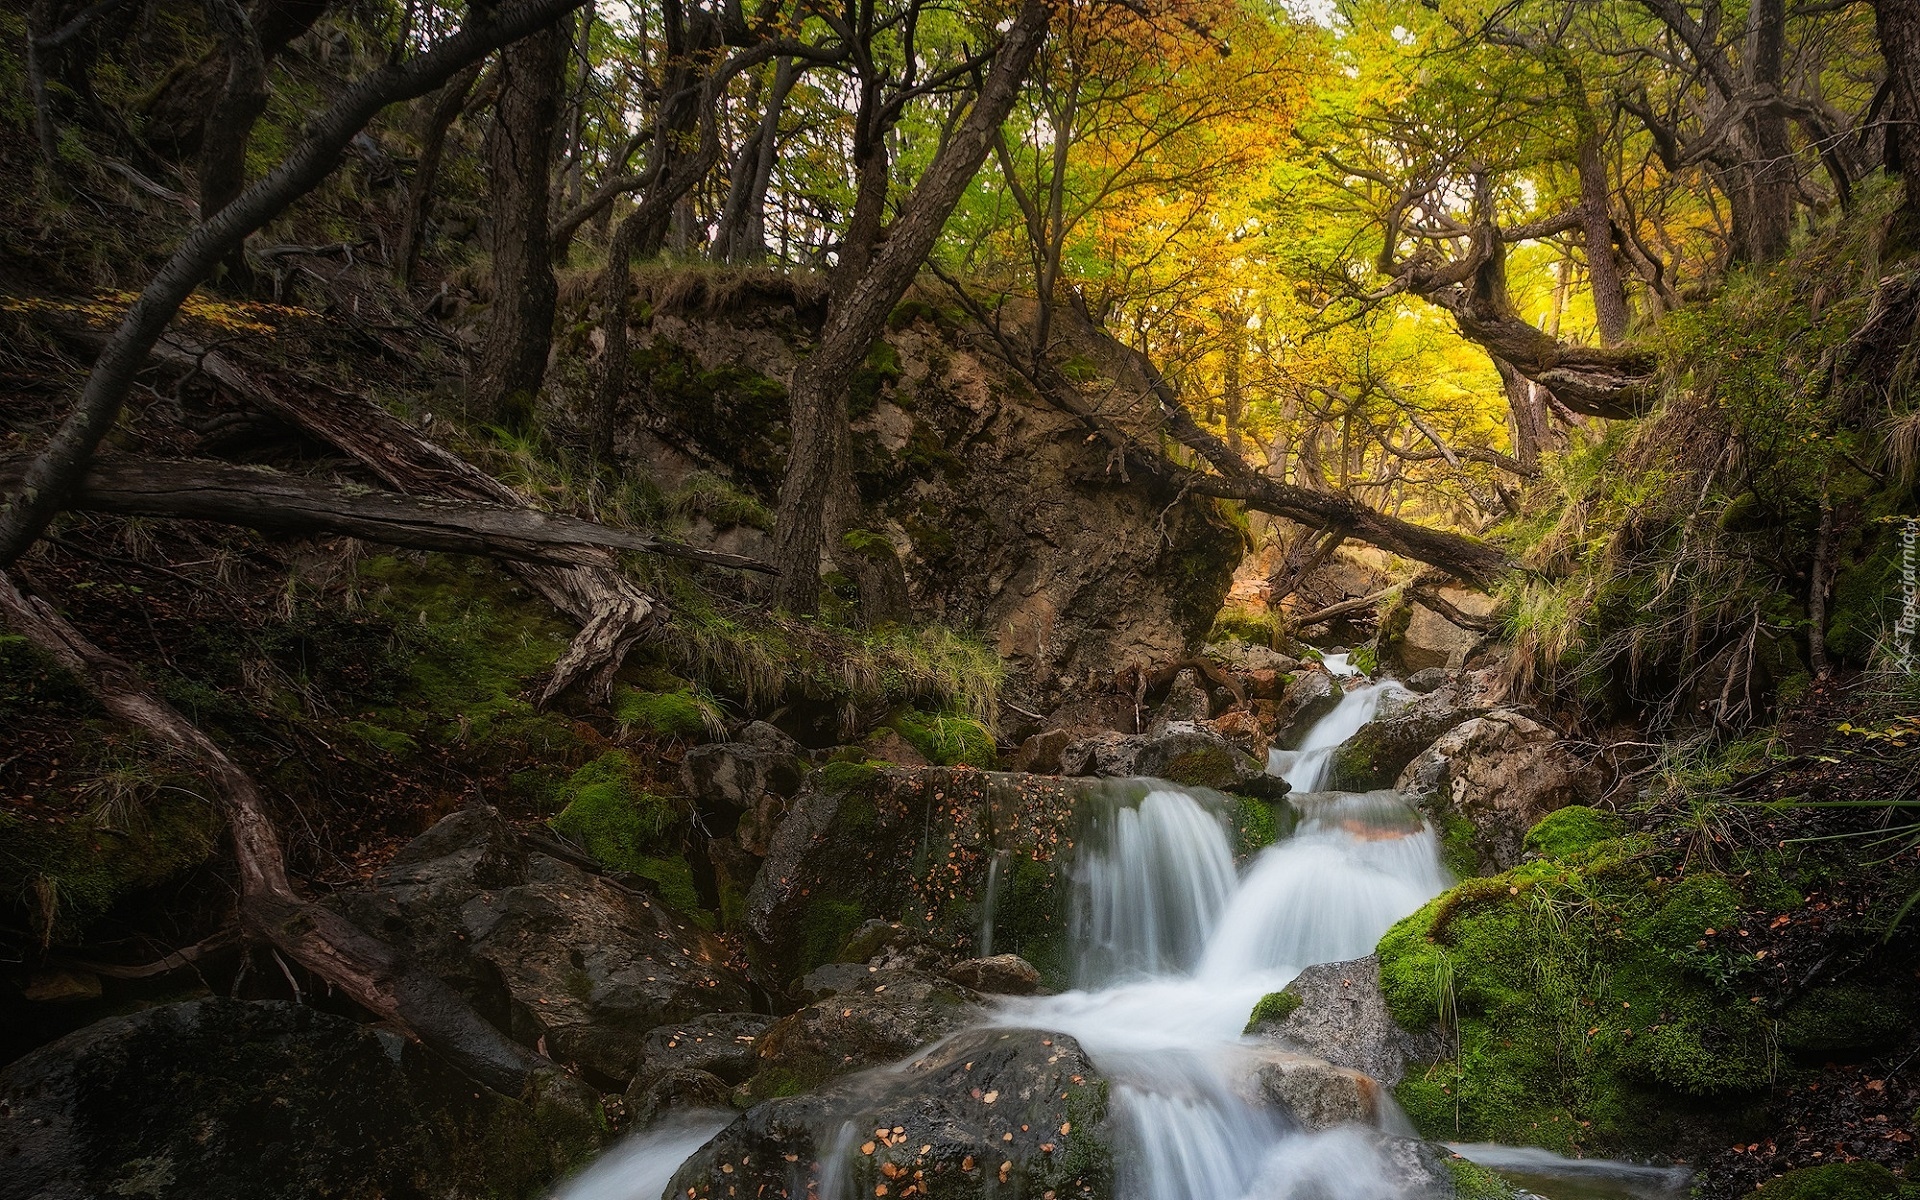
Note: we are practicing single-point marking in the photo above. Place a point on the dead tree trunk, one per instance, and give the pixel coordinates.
(818, 396)
(520, 162)
(366, 969)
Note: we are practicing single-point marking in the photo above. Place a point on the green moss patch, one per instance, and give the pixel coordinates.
(1841, 1181)
(1273, 1008)
(947, 740)
(1572, 829)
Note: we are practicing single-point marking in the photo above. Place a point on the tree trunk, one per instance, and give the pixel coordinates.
(447, 106)
(520, 168)
(1610, 310)
(276, 502)
(1529, 415)
(65, 455)
(818, 395)
(742, 236)
(1897, 24)
(1772, 172)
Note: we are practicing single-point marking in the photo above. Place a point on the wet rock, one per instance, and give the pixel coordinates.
(1414, 637)
(1041, 753)
(878, 1017)
(998, 975)
(541, 947)
(989, 1112)
(1312, 1090)
(728, 779)
(1374, 757)
(1502, 772)
(859, 846)
(654, 1096)
(1311, 695)
(1183, 752)
(1247, 658)
(1427, 680)
(1336, 1012)
(257, 1100)
(719, 1044)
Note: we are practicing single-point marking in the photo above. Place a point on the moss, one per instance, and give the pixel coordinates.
(682, 713)
(1030, 918)
(1083, 1162)
(870, 379)
(1245, 625)
(1841, 1181)
(1471, 1181)
(1459, 853)
(387, 741)
(1365, 660)
(1587, 1002)
(947, 740)
(845, 776)
(824, 931)
(1273, 1008)
(736, 414)
(1256, 825)
(1205, 766)
(1844, 1016)
(1572, 829)
(608, 814)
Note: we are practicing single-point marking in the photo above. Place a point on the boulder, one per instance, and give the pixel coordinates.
(1311, 695)
(1336, 1011)
(729, 779)
(886, 745)
(1502, 773)
(550, 952)
(1313, 1091)
(989, 1112)
(1426, 680)
(1186, 703)
(997, 975)
(652, 1097)
(1182, 752)
(1041, 753)
(881, 1017)
(1248, 658)
(1374, 757)
(1414, 637)
(257, 1100)
(718, 1044)
(913, 847)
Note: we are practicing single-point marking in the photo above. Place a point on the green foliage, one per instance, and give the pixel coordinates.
(704, 494)
(1586, 998)
(1842, 1181)
(684, 712)
(1567, 831)
(1273, 1008)
(1245, 625)
(1365, 660)
(947, 741)
(1474, 1182)
(608, 813)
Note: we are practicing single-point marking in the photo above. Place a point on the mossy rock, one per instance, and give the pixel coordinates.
(1471, 1181)
(681, 713)
(1571, 830)
(612, 817)
(1591, 1010)
(947, 740)
(1841, 1181)
(1273, 1008)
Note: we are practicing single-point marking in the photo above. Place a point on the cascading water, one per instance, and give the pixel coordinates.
(1174, 947)
(1306, 768)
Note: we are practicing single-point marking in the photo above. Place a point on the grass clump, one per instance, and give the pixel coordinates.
(947, 740)
(683, 712)
(727, 506)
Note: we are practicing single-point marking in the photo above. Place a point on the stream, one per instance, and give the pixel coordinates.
(1173, 947)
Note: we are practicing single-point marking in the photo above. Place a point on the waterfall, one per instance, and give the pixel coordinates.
(1306, 769)
(1173, 948)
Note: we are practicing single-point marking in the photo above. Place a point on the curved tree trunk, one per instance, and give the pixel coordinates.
(447, 106)
(818, 394)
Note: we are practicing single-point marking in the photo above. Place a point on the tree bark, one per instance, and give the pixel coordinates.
(858, 313)
(60, 461)
(1897, 25)
(448, 103)
(520, 167)
(274, 501)
(742, 235)
(367, 970)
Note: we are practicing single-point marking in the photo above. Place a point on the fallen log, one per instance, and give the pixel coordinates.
(613, 612)
(354, 961)
(1333, 611)
(273, 501)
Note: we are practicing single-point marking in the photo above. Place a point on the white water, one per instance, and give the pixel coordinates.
(1306, 768)
(1174, 947)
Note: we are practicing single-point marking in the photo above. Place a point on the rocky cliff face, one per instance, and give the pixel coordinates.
(973, 503)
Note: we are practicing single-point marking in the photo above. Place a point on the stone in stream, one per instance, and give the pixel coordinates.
(987, 1112)
(1501, 774)
(545, 949)
(1312, 1090)
(264, 1099)
(871, 1017)
(1337, 1012)
(1374, 757)
(1182, 752)
(999, 975)
(1311, 696)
